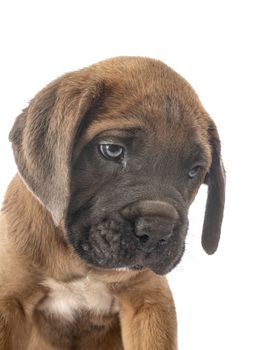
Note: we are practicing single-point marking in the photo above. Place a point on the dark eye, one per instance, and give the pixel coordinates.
(194, 172)
(111, 151)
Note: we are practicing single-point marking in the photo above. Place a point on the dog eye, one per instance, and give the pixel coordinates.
(111, 151)
(194, 172)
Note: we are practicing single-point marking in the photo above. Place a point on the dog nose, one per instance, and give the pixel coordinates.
(153, 220)
(153, 231)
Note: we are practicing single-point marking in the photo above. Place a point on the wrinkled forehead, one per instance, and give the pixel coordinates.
(151, 97)
(161, 115)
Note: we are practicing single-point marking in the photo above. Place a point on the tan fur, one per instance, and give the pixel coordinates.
(49, 298)
(30, 285)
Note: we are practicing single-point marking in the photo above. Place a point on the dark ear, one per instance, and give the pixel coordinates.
(43, 136)
(216, 195)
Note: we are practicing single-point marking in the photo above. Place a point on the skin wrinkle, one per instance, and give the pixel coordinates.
(98, 127)
(98, 251)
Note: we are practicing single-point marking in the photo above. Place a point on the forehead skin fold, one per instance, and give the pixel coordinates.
(145, 93)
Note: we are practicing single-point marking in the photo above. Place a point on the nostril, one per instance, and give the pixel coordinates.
(143, 238)
(165, 239)
(162, 241)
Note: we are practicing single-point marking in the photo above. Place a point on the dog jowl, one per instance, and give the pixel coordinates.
(133, 147)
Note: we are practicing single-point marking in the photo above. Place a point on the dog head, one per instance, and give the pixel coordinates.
(117, 152)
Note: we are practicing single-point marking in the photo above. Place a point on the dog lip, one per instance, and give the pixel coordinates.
(138, 267)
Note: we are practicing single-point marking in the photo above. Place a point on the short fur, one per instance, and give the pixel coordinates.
(85, 241)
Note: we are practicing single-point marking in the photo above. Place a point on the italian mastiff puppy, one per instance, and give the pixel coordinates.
(109, 159)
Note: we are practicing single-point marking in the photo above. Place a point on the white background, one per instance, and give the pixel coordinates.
(218, 46)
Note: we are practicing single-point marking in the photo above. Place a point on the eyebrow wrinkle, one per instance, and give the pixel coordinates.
(99, 126)
(199, 154)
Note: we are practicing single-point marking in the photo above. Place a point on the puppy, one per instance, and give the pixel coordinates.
(109, 160)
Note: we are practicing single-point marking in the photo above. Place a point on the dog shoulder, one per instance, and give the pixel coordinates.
(13, 274)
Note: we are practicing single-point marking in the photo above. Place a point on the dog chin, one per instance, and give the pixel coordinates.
(139, 262)
(156, 268)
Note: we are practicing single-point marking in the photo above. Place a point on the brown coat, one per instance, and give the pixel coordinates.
(61, 288)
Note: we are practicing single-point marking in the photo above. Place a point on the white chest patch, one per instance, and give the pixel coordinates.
(66, 299)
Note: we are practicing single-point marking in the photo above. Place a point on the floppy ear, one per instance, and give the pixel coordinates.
(43, 136)
(216, 195)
